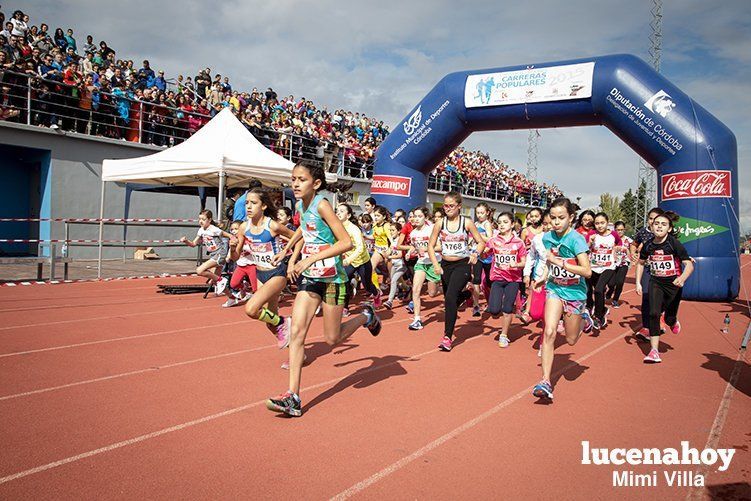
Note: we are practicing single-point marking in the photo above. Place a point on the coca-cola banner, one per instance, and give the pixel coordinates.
(391, 185)
(696, 184)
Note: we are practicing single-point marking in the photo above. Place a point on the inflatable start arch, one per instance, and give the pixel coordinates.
(694, 153)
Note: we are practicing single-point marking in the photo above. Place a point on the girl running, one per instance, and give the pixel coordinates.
(366, 226)
(622, 263)
(357, 261)
(483, 218)
(236, 292)
(509, 256)
(381, 237)
(321, 279)
(419, 239)
(454, 233)
(603, 244)
(568, 267)
(534, 270)
(260, 232)
(670, 266)
(533, 228)
(397, 266)
(214, 243)
(642, 237)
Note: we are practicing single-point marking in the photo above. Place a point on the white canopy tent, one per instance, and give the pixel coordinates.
(222, 154)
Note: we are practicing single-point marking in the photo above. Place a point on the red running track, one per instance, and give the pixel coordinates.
(108, 390)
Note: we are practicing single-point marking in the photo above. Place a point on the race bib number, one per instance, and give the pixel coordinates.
(323, 268)
(602, 257)
(261, 254)
(210, 243)
(662, 266)
(504, 260)
(420, 245)
(369, 245)
(560, 276)
(454, 248)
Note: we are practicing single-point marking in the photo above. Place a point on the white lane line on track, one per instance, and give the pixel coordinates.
(109, 317)
(713, 440)
(360, 486)
(113, 340)
(188, 424)
(157, 368)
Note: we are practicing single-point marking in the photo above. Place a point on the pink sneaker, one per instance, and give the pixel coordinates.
(653, 357)
(377, 300)
(445, 344)
(676, 328)
(643, 335)
(282, 333)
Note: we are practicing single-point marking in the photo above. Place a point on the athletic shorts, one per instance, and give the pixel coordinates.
(329, 292)
(430, 274)
(266, 275)
(572, 307)
(219, 257)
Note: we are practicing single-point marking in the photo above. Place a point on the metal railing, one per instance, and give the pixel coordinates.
(52, 103)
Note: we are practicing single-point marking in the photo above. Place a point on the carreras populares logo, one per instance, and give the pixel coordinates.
(413, 122)
(399, 186)
(660, 103)
(696, 184)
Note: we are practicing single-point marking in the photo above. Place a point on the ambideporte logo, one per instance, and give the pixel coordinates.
(660, 103)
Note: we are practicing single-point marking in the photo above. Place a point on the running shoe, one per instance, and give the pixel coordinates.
(476, 311)
(345, 313)
(596, 323)
(543, 389)
(282, 332)
(653, 357)
(388, 304)
(285, 364)
(377, 300)
(416, 325)
(605, 317)
(616, 304)
(588, 323)
(445, 344)
(374, 326)
(410, 307)
(643, 335)
(245, 297)
(676, 328)
(230, 303)
(287, 403)
(503, 341)
(220, 286)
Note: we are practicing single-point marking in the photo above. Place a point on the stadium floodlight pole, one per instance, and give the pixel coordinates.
(647, 174)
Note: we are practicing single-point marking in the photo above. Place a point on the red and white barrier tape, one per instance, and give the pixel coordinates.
(93, 220)
(85, 241)
(19, 283)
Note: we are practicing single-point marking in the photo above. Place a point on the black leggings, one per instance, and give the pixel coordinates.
(502, 297)
(663, 297)
(456, 276)
(596, 291)
(365, 272)
(615, 286)
(477, 270)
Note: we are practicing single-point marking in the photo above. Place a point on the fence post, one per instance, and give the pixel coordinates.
(67, 237)
(28, 100)
(140, 121)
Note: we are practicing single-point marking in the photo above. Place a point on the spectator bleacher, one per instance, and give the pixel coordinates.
(53, 81)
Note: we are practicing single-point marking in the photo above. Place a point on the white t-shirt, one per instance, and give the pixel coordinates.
(19, 28)
(211, 238)
(419, 240)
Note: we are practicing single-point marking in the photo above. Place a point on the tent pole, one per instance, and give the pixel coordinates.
(220, 197)
(101, 233)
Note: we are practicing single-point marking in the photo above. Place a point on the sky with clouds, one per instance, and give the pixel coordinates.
(381, 58)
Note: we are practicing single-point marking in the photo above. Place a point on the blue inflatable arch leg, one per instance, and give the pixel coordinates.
(694, 153)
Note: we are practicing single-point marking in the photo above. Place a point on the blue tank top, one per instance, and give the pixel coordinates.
(489, 259)
(262, 246)
(317, 236)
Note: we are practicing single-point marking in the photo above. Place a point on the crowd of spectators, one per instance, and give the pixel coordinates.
(54, 81)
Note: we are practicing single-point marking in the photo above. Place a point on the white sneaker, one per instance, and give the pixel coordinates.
(246, 297)
(230, 303)
(220, 286)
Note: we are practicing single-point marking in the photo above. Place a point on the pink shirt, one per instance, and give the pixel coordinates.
(506, 255)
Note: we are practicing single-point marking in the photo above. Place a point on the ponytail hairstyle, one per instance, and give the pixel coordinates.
(602, 214)
(351, 215)
(539, 211)
(455, 196)
(656, 211)
(566, 203)
(672, 218)
(316, 172)
(266, 200)
(508, 215)
(488, 210)
(366, 218)
(209, 215)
